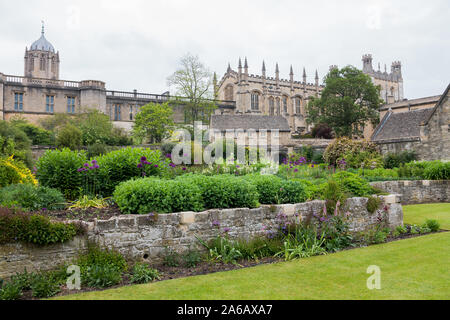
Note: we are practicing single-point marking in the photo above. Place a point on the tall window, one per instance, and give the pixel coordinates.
(278, 106)
(70, 104)
(50, 104)
(42, 63)
(229, 93)
(298, 105)
(117, 112)
(285, 104)
(18, 101)
(271, 106)
(255, 101)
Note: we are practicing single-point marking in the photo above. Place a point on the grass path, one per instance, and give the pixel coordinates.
(418, 214)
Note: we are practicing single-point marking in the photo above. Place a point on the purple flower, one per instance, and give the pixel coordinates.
(143, 159)
(44, 209)
(226, 230)
(139, 165)
(80, 170)
(296, 170)
(184, 169)
(216, 223)
(94, 162)
(156, 166)
(86, 165)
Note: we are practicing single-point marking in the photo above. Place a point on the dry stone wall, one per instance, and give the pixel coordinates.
(145, 237)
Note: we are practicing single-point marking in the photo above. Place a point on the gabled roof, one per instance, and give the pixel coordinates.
(401, 125)
(246, 122)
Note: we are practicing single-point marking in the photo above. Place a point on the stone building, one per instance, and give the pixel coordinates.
(265, 95)
(424, 130)
(41, 93)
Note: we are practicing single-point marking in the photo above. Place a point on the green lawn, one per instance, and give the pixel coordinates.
(418, 214)
(411, 269)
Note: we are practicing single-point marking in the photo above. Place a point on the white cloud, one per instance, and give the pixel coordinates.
(137, 44)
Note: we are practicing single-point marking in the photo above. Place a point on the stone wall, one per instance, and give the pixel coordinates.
(145, 237)
(416, 192)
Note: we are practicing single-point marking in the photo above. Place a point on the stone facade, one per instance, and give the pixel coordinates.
(426, 131)
(417, 192)
(146, 237)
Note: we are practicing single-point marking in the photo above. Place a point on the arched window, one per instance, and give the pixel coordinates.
(255, 101)
(298, 105)
(271, 106)
(285, 104)
(42, 63)
(229, 93)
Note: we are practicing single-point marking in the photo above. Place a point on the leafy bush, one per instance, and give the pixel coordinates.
(224, 191)
(143, 196)
(353, 184)
(45, 286)
(433, 225)
(143, 274)
(30, 197)
(123, 165)
(14, 172)
(274, 190)
(69, 137)
(395, 160)
(37, 135)
(192, 258)
(34, 229)
(99, 276)
(222, 249)
(58, 169)
(97, 149)
(437, 170)
(14, 142)
(355, 152)
(373, 203)
(333, 193)
(10, 291)
(171, 258)
(322, 130)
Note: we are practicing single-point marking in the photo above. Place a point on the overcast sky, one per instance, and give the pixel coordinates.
(136, 44)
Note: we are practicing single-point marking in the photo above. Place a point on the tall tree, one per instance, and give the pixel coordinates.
(153, 122)
(194, 82)
(348, 102)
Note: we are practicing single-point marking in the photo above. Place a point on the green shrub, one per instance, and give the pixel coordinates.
(147, 195)
(69, 137)
(395, 160)
(437, 170)
(14, 142)
(37, 135)
(14, 171)
(192, 258)
(333, 193)
(122, 165)
(274, 190)
(373, 203)
(224, 191)
(45, 286)
(10, 291)
(97, 149)
(171, 258)
(99, 276)
(143, 274)
(30, 197)
(34, 229)
(102, 258)
(358, 152)
(353, 184)
(59, 169)
(433, 225)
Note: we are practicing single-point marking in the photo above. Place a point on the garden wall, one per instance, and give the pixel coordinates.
(145, 237)
(419, 191)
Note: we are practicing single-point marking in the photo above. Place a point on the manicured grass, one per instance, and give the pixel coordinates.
(418, 214)
(411, 269)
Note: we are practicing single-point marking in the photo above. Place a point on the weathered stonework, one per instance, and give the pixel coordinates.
(416, 192)
(146, 237)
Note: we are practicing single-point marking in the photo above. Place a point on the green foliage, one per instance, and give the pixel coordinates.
(122, 165)
(373, 203)
(30, 197)
(37, 135)
(14, 142)
(353, 184)
(35, 229)
(395, 160)
(69, 137)
(222, 249)
(171, 258)
(45, 285)
(58, 169)
(224, 191)
(14, 171)
(348, 101)
(153, 122)
(374, 235)
(101, 268)
(192, 258)
(95, 127)
(274, 190)
(100, 276)
(322, 131)
(147, 195)
(433, 225)
(97, 149)
(358, 152)
(10, 291)
(437, 170)
(142, 273)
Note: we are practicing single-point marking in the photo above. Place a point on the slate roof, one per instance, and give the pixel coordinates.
(245, 122)
(401, 125)
(42, 44)
(411, 103)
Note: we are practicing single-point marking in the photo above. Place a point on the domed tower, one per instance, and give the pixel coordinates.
(41, 61)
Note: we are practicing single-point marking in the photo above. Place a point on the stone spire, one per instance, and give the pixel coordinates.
(240, 69)
(304, 75)
(229, 68)
(317, 79)
(264, 69)
(246, 65)
(43, 28)
(216, 89)
(277, 74)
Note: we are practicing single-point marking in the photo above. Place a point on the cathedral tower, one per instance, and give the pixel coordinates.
(41, 61)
